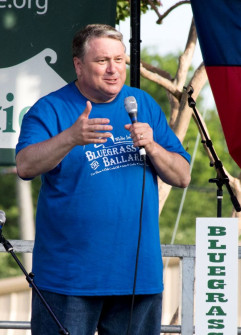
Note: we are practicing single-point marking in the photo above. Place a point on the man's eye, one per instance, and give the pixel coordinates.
(101, 61)
(119, 60)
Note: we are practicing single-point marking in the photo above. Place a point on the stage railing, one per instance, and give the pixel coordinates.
(186, 254)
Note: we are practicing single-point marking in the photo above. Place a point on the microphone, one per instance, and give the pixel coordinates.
(131, 108)
(2, 219)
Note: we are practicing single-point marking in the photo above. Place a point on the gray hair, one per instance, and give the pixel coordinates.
(82, 37)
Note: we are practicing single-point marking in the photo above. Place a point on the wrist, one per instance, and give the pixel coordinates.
(152, 149)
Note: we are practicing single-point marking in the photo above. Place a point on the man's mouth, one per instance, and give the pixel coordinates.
(111, 80)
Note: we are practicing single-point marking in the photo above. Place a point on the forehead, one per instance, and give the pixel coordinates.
(104, 46)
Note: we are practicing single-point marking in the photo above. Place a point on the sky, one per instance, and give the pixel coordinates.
(169, 37)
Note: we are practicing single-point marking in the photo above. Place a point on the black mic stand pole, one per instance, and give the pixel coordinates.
(29, 277)
(135, 42)
(222, 178)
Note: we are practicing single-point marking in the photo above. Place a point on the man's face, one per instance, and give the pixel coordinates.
(102, 73)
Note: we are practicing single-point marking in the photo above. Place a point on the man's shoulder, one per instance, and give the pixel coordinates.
(136, 92)
(127, 88)
(61, 93)
(140, 95)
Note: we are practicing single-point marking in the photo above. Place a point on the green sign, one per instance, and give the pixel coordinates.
(36, 57)
(216, 276)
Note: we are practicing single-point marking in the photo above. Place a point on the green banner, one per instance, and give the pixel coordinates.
(35, 56)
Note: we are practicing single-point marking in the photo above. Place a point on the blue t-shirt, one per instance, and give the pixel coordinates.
(87, 220)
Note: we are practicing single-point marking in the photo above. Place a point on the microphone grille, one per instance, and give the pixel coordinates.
(2, 217)
(130, 105)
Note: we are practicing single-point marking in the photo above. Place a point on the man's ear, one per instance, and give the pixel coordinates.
(78, 65)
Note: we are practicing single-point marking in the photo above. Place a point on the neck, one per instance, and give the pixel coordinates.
(93, 99)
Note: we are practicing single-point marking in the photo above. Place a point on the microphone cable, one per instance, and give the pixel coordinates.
(138, 245)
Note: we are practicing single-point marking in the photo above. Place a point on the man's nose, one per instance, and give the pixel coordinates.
(111, 66)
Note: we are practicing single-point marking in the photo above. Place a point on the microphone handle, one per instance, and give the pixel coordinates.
(142, 150)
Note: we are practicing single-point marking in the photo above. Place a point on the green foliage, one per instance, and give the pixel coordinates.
(11, 231)
(8, 266)
(8, 204)
(36, 184)
(123, 8)
(201, 195)
(167, 63)
(200, 199)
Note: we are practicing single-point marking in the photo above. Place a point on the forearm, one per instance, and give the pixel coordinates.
(171, 167)
(44, 156)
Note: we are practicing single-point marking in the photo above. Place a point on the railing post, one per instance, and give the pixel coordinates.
(188, 266)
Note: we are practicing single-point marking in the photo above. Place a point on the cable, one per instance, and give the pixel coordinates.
(138, 244)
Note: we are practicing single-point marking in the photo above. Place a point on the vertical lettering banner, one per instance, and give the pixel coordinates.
(216, 276)
(36, 57)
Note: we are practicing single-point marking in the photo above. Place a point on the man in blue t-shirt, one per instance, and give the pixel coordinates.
(80, 140)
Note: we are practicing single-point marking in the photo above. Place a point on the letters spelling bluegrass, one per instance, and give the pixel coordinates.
(216, 283)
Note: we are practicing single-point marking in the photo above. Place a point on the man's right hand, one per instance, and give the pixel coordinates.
(42, 157)
(85, 130)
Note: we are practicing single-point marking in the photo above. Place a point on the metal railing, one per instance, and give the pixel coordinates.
(186, 254)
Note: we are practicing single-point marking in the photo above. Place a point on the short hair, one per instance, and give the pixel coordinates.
(82, 37)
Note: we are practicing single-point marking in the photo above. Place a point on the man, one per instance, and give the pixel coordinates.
(80, 140)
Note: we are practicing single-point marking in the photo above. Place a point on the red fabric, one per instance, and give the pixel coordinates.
(225, 82)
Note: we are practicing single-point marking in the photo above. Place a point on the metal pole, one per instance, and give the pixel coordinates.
(135, 43)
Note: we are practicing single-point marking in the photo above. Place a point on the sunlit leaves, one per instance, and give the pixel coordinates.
(123, 8)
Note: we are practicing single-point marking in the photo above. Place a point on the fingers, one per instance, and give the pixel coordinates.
(97, 127)
(128, 126)
(87, 110)
(91, 130)
(95, 132)
(95, 123)
(86, 114)
(141, 133)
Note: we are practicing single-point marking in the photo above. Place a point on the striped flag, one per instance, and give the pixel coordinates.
(218, 24)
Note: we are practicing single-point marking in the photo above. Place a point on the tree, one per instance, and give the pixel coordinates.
(180, 113)
(201, 195)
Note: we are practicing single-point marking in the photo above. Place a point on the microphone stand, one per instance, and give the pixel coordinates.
(29, 277)
(222, 178)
